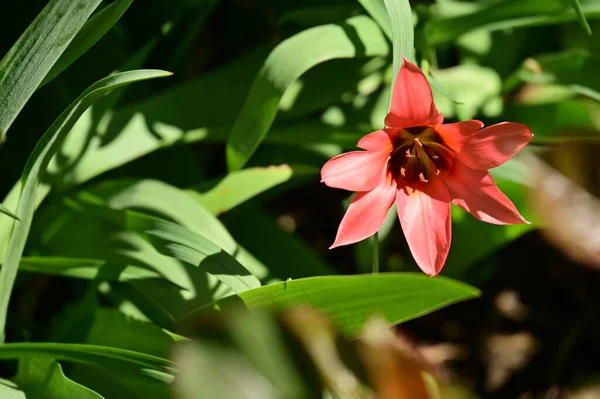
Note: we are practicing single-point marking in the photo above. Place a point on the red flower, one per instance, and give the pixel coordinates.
(424, 165)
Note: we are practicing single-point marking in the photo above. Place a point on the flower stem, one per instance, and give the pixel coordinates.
(376, 253)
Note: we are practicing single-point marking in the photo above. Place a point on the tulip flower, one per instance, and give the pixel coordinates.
(423, 165)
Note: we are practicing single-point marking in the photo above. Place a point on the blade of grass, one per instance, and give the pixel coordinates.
(39, 47)
(90, 33)
(581, 16)
(37, 164)
(403, 37)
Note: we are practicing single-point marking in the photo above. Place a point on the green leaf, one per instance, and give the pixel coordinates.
(6, 211)
(157, 198)
(350, 300)
(240, 186)
(403, 38)
(376, 9)
(85, 354)
(357, 37)
(506, 14)
(176, 241)
(9, 390)
(79, 268)
(581, 16)
(39, 47)
(90, 33)
(44, 379)
(36, 166)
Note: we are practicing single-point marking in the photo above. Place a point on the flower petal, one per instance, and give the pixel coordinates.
(476, 192)
(355, 171)
(456, 134)
(378, 140)
(494, 145)
(425, 219)
(412, 101)
(366, 213)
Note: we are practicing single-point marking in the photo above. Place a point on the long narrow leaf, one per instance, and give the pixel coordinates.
(357, 37)
(403, 37)
(7, 212)
(36, 51)
(90, 33)
(377, 10)
(37, 164)
(86, 354)
(581, 16)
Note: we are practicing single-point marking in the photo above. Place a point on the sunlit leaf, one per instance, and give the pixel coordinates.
(36, 166)
(401, 22)
(350, 300)
(36, 51)
(286, 63)
(90, 33)
(176, 241)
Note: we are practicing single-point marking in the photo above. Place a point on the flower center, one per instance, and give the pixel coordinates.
(419, 155)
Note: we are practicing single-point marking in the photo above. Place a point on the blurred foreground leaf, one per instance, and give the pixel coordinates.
(31, 57)
(565, 195)
(350, 300)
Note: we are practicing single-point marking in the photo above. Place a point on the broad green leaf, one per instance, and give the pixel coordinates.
(157, 198)
(262, 343)
(36, 51)
(286, 63)
(90, 33)
(114, 329)
(176, 241)
(506, 14)
(36, 166)
(350, 300)
(7, 212)
(403, 40)
(240, 186)
(85, 354)
(79, 268)
(581, 16)
(44, 379)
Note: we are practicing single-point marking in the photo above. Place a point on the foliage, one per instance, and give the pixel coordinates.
(165, 236)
